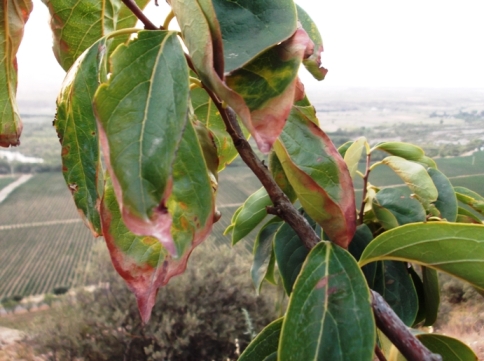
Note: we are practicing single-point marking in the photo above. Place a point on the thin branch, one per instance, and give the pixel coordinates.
(398, 333)
(131, 4)
(379, 354)
(365, 190)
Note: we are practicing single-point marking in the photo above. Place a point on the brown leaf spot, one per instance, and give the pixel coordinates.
(73, 187)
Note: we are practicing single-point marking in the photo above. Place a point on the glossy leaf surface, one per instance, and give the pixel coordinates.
(76, 25)
(405, 208)
(329, 315)
(312, 60)
(264, 346)
(386, 218)
(251, 213)
(319, 177)
(431, 295)
(446, 201)
(263, 250)
(142, 114)
(416, 178)
(457, 249)
(13, 16)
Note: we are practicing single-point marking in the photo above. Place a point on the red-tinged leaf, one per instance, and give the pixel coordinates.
(77, 130)
(268, 86)
(76, 25)
(142, 114)
(280, 177)
(312, 58)
(319, 176)
(13, 16)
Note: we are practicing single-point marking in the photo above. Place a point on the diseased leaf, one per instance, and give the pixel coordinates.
(263, 249)
(141, 114)
(329, 315)
(13, 16)
(77, 131)
(449, 348)
(471, 198)
(457, 249)
(405, 208)
(76, 25)
(312, 60)
(264, 346)
(404, 150)
(251, 213)
(446, 201)
(319, 177)
(353, 154)
(290, 253)
(431, 295)
(416, 178)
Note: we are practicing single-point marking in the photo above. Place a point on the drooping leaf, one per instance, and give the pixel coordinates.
(277, 172)
(76, 25)
(427, 162)
(416, 178)
(268, 86)
(13, 16)
(263, 249)
(431, 294)
(312, 61)
(290, 253)
(471, 198)
(405, 208)
(264, 346)
(319, 177)
(250, 27)
(208, 114)
(449, 348)
(353, 154)
(141, 114)
(77, 131)
(466, 216)
(251, 213)
(454, 248)
(404, 150)
(329, 315)
(419, 288)
(446, 201)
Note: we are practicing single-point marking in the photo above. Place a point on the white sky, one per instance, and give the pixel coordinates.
(373, 43)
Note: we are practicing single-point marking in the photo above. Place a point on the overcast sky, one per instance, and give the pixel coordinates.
(373, 43)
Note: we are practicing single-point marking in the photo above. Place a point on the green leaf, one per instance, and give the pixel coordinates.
(251, 213)
(76, 25)
(277, 172)
(446, 201)
(457, 249)
(416, 178)
(427, 162)
(208, 114)
(419, 288)
(431, 295)
(465, 216)
(404, 150)
(361, 239)
(471, 198)
(263, 249)
(405, 208)
(344, 148)
(250, 27)
(449, 348)
(264, 346)
(290, 253)
(13, 16)
(142, 114)
(313, 61)
(329, 315)
(353, 154)
(386, 218)
(77, 131)
(319, 177)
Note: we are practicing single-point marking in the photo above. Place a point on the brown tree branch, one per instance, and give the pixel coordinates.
(131, 4)
(365, 190)
(397, 332)
(379, 354)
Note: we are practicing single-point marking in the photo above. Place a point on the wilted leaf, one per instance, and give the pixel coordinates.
(416, 178)
(312, 60)
(142, 114)
(264, 346)
(77, 130)
(457, 249)
(76, 25)
(329, 316)
(13, 16)
(319, 176)
(446, 201)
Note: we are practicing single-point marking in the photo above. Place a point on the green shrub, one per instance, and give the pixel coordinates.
(198, 316)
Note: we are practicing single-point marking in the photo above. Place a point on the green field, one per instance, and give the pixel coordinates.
(45, 245)
(6, 180)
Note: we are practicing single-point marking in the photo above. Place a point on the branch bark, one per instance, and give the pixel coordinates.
(397, 332)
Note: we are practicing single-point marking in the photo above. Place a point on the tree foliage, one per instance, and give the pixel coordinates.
(165, 108)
